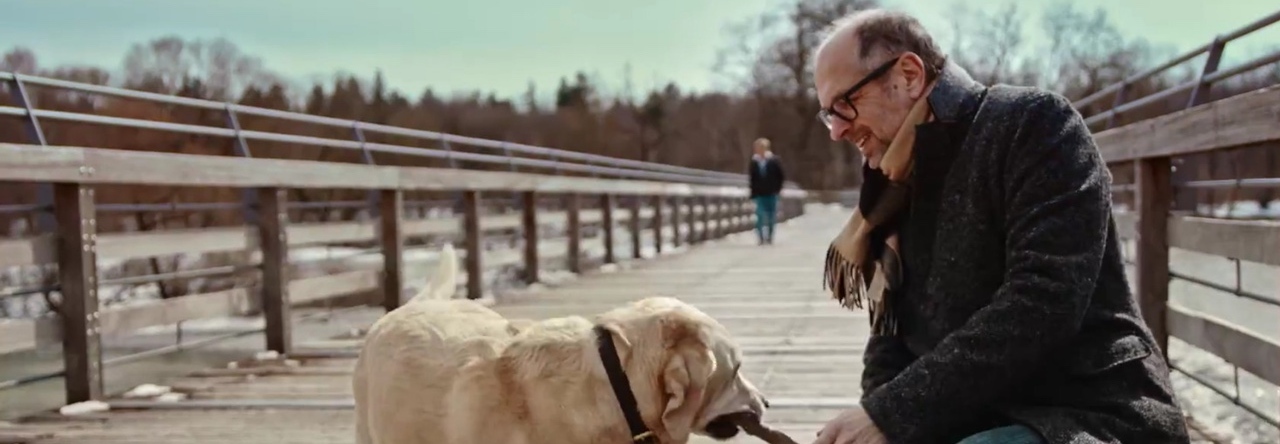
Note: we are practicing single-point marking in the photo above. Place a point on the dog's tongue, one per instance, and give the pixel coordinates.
(751, 424)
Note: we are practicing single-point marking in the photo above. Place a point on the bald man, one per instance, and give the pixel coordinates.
(983, 245)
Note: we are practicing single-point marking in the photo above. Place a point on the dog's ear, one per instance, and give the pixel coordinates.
(684, 380)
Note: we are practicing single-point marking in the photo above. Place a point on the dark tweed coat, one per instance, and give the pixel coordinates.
(1016, 307)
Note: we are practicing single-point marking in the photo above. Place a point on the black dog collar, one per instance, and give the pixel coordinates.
(622, 387)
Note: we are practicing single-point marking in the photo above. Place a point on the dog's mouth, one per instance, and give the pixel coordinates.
(723, 427)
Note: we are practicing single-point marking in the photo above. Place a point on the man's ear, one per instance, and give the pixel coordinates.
(684, 380)
(913, 74)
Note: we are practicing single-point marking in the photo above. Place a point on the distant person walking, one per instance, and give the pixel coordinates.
(766, 183)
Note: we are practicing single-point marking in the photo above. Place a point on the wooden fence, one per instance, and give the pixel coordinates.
(1240, 121)
(692, 212)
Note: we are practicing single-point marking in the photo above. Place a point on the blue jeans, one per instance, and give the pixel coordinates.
(1014, 434)
(766, 216)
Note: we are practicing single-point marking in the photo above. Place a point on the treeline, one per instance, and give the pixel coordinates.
(768, 63)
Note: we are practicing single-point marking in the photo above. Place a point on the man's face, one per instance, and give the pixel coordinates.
(869, 117)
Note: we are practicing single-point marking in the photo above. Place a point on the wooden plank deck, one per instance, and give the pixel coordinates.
(801, 349)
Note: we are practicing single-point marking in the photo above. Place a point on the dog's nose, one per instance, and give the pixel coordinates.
(765, 401)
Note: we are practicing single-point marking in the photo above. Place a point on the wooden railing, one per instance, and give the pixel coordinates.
(1163, 197)
(1244, 120)
(692, 212)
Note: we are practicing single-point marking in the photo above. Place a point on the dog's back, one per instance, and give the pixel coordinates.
(412, 355)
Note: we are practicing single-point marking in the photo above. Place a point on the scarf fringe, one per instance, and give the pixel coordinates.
(851, 290)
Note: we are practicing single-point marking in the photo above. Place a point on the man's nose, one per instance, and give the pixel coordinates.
(837, 129)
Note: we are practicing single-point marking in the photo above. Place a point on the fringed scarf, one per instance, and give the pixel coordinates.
(863, 262)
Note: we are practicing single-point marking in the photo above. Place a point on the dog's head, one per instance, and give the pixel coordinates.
(689, 366)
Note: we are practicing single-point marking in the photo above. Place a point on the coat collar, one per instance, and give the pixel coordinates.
(956, 94)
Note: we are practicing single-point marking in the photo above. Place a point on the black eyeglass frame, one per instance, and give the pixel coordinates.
(825, 114)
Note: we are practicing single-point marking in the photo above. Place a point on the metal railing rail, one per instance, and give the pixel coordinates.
(1208, 75)
(558, 159)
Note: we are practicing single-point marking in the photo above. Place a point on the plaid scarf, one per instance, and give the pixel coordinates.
(863, 265)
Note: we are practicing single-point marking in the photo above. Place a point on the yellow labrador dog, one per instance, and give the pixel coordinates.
(451, 371)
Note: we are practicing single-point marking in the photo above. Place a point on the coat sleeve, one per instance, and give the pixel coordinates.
(1055, 190)
(884, 358)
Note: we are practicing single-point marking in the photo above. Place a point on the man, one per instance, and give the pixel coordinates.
(984, 247)
(766, 175)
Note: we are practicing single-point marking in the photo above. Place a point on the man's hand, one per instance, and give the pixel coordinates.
(853, 426)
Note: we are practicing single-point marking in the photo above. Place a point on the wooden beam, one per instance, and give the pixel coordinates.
(695, 214)
(471, 229)
(29, 163)
(1249, 351)
(273, 218)
(391, 214)
(1251, 240)
(1242, 120)
(656, 223)
(41, 249)
(1126, 224)
(1154, 196)
(530, 227)
(329, 286)
(705, 234)
(634, 203)
(38, 250)
(606, 224)
(573, 230)
(77, 275)
(676, 203)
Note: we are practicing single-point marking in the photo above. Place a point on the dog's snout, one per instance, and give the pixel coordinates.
(764, 401)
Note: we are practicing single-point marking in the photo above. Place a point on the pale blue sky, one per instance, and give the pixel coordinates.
(501, 45)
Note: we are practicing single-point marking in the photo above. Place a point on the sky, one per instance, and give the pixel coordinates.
(501, 46)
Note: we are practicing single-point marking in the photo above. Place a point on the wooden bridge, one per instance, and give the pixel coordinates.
(687, 235)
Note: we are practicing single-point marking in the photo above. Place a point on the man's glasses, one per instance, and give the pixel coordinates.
(843, 107)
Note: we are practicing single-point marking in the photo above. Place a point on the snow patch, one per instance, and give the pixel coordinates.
(86, 407)
(147, 391)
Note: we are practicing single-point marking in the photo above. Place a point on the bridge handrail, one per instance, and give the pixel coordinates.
(1208, 75)
(606, 165)
(1151, 146)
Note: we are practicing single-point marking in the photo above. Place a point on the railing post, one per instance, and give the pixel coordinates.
(573, 231)
(45, 219)
(272, 221)
(530, 225)
(1121, 96)
(739, 216)
(1184, 197)
(721, 218)
(471, 229)
(696, 214)
(656, 223)
(707, 219)
(634, 224)
(77, 273)
(248, 197)
(676, 203)
(606, 225)
(1154, 195)
(391, 213)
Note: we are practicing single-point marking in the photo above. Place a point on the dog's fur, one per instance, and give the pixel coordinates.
(451, 371)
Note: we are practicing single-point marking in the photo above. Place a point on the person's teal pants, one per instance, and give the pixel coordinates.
(766, 216)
